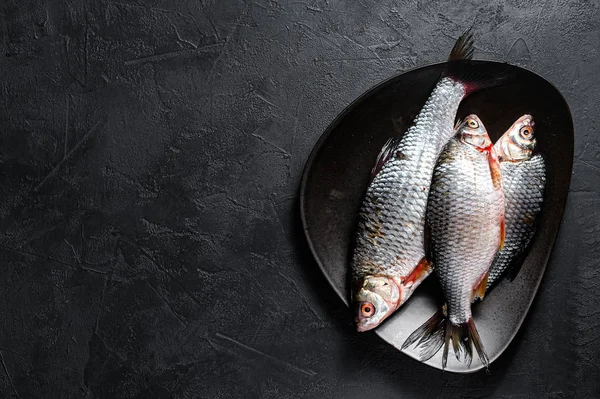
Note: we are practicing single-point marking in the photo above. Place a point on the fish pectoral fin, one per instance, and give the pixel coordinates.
(497, 181)
(494, 164)
(427, 239)
(419, 273)
(502, 234)
(480, 288)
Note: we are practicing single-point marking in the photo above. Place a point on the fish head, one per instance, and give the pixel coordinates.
(471, 131)
(518, 142)
(376, 299)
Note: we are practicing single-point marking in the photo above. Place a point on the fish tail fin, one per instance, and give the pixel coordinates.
(429, 337)
(464, 337)
(463, 48)
(474, 76)
(470, 74)
(439, 331)
(476, 339)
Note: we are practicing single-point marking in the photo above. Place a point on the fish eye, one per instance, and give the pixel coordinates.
(472, 123)
(367, 309)
(526, 132)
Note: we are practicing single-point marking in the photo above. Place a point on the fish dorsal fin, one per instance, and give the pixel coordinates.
(386, 153)
(479, 291)
(459, 121)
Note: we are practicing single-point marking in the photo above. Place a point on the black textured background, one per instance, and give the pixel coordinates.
(150, 158)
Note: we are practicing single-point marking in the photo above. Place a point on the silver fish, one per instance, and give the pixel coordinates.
(465, 216)
(389, 257)
(523, 178)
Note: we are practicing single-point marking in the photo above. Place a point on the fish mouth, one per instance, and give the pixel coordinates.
(363, 326)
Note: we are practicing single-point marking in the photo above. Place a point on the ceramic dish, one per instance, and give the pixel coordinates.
(337, 174)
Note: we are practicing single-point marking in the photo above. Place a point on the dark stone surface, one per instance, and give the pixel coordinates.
(150, 159)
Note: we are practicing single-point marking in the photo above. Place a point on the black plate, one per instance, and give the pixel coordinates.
(337, 175)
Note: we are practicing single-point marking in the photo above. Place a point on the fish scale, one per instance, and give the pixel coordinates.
(390, 238)
(524, 191)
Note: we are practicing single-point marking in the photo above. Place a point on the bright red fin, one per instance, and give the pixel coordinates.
(502, 233)
(422, 270)
(494, 168)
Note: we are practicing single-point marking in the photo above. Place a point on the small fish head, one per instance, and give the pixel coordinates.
(377, 298)
(471, 131)
(518, 142)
